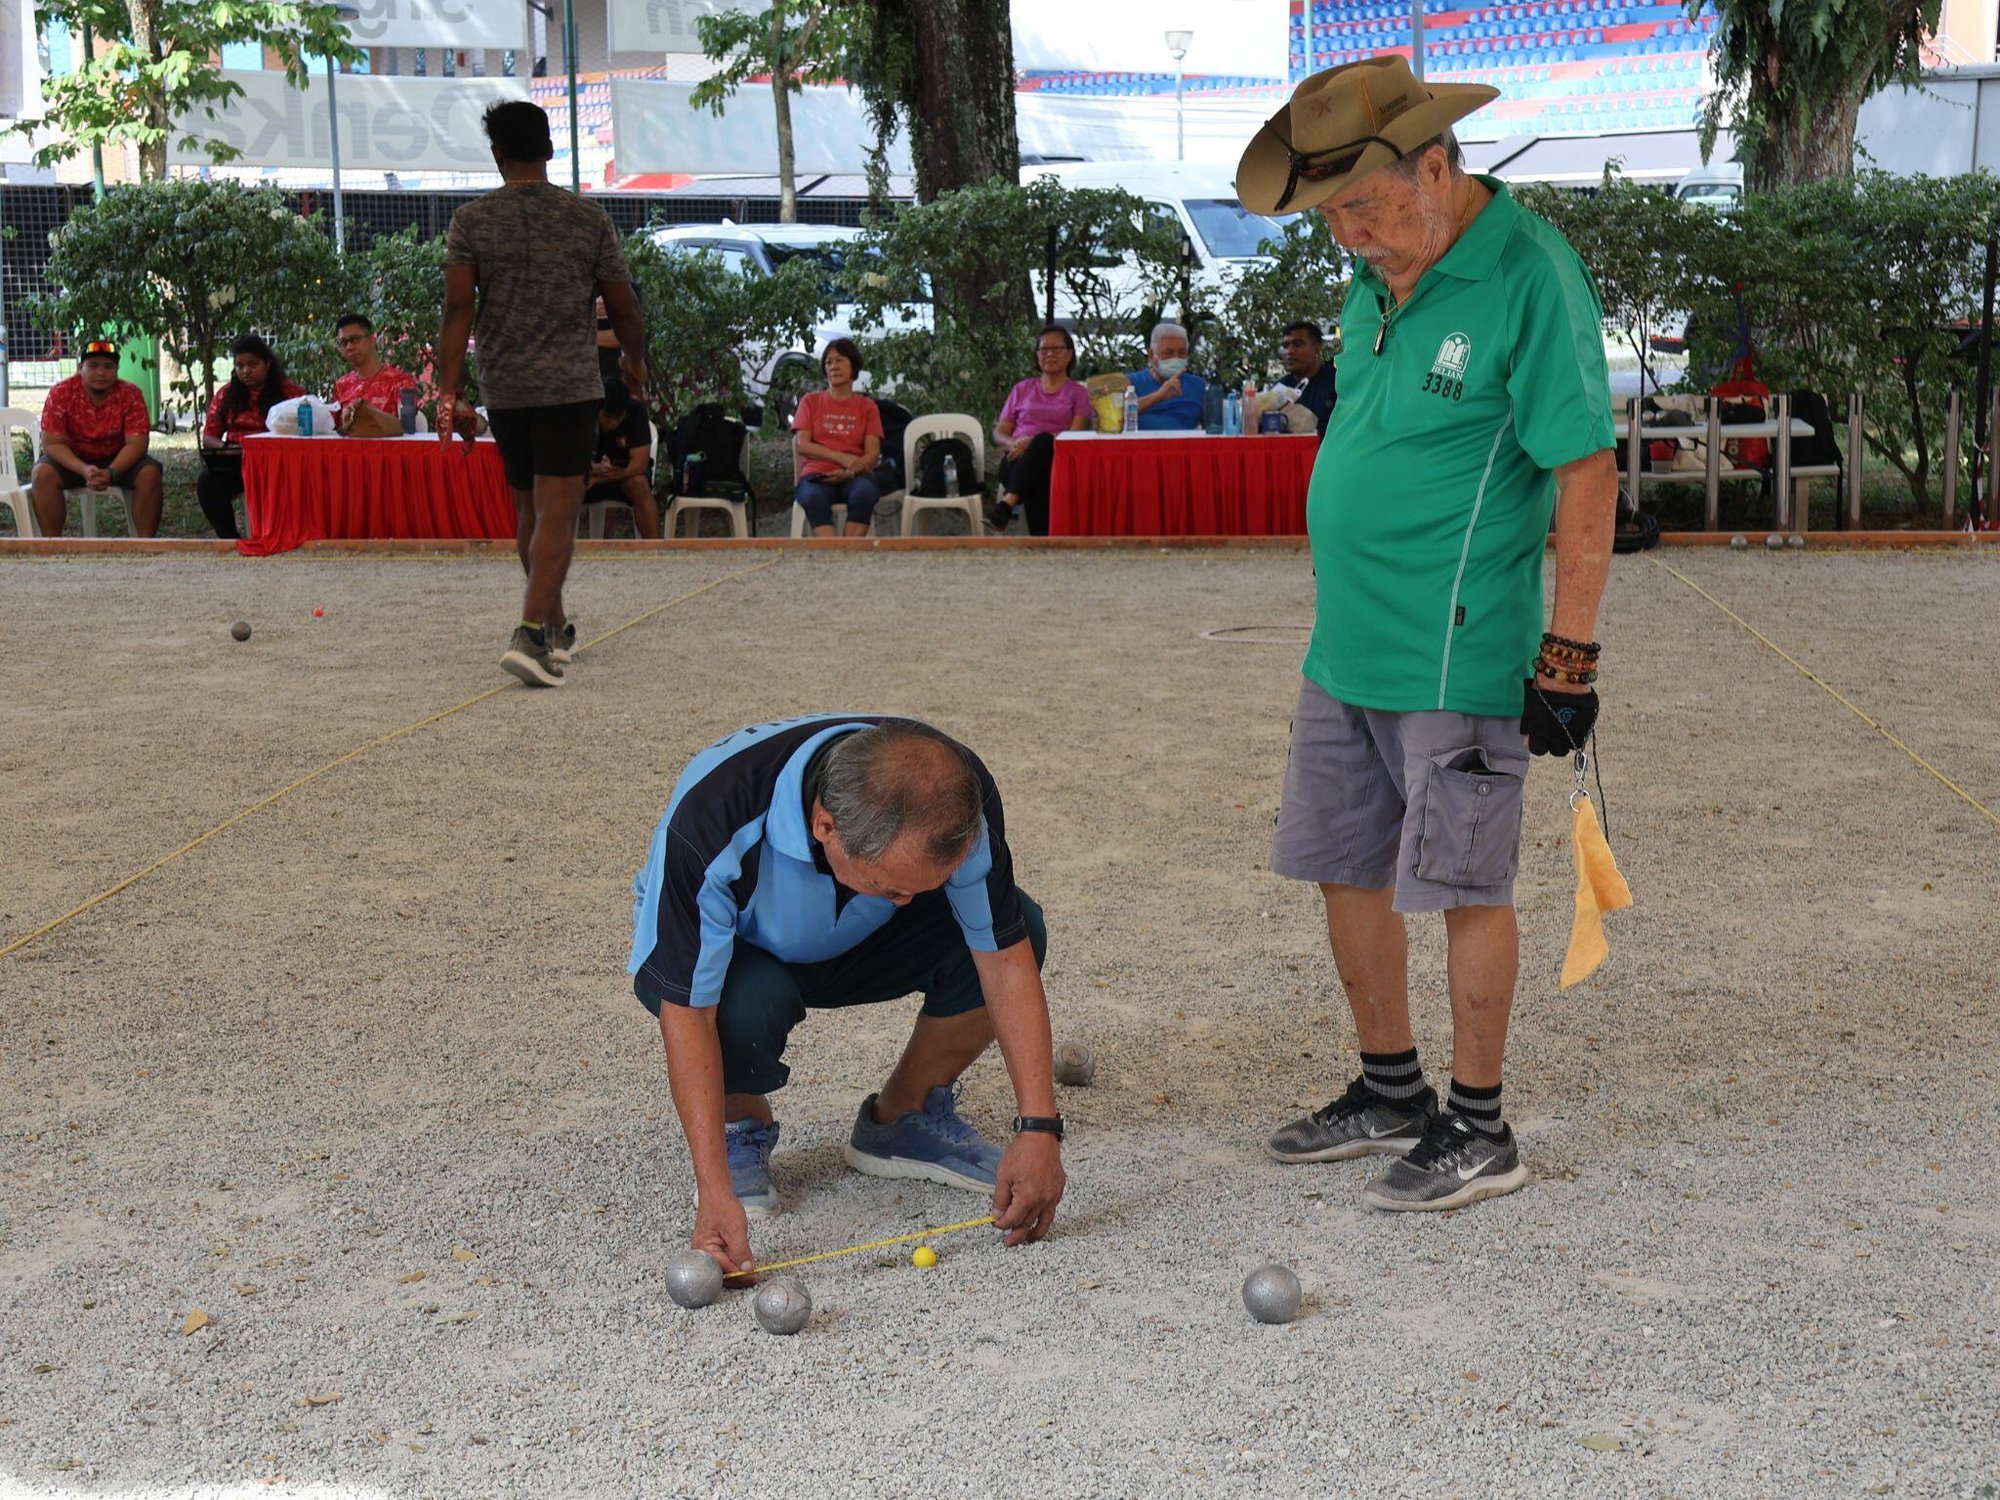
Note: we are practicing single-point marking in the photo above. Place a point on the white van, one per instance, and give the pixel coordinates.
(1197, 200)
(1719, 186)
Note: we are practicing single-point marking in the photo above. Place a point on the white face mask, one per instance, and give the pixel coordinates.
(1169, 368)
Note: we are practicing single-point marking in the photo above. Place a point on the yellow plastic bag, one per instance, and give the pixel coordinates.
(1599, 889)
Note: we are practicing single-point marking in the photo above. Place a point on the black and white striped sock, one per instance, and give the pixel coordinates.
(1393, 1077)
(1480, 1108)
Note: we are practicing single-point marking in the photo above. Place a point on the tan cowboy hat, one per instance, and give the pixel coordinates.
(1341, 125)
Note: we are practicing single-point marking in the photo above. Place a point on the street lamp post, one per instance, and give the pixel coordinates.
(1178, 43)
(345, 14)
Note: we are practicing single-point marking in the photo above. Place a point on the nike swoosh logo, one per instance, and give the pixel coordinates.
(1376, 1135)
(1466, 1174)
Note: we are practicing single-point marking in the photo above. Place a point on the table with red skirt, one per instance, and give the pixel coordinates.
(1180, 484)
(298, 490)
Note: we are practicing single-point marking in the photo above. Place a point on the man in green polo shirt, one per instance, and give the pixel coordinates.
(1474, 407)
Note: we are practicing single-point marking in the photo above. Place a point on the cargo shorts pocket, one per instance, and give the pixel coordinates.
(1471, 829)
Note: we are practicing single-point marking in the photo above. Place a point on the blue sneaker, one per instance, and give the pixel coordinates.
(932, 1144)
(749, 1143)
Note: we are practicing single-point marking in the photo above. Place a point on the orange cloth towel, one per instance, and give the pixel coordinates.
(1599, 889)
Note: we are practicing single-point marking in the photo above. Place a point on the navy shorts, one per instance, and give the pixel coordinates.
(555, 442)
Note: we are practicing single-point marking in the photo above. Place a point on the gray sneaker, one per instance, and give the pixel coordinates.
(528, 658)
(1358, 1123)
(1451, 1167)
(562, 643)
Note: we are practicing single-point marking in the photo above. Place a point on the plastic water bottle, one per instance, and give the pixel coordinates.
(1131, 410)
(1211, 410)
(406, 408)
(1232, 415)
(950, 477)
(305, 419)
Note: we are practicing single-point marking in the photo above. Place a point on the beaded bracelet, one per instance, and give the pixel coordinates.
(1563, 646)
(1576, 677)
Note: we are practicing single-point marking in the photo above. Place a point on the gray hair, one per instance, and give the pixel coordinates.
(892, 781)
(1446, 141)
(1160, 328)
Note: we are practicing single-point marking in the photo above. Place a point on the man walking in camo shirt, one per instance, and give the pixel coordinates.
(536, 258)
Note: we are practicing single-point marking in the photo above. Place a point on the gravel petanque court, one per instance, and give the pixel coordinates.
(361, 1082)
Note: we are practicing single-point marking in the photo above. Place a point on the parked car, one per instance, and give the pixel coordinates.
(758, 250)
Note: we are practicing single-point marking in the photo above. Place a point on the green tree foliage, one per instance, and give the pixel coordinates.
(968, 358)
(159, 63)
(193, 264)
(701, 319)
(1640, 244)
(794, 42)
(1237, 333)
(1792, 74)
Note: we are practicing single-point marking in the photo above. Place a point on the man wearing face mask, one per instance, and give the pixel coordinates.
(1171, 396)
(1474, 407)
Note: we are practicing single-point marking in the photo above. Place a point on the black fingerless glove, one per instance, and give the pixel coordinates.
(1557, 723)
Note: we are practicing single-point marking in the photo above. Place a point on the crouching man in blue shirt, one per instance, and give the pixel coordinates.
(844, 859)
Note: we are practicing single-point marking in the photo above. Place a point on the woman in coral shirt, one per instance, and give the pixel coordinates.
(838, 439)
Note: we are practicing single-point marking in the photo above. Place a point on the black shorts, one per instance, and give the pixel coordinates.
(556, 442)
(72, 480)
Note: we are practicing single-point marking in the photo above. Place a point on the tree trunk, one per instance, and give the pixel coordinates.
(958, 92)
(145, 16)
(781, 110)
(1814, 150)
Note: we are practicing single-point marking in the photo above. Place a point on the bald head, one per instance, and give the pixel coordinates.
(902, 781)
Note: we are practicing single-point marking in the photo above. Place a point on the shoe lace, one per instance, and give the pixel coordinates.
(947, 1124)
(1441, 1142)
(1353, 1102)
(748, 1147)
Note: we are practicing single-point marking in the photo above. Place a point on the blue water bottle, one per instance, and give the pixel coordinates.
(1211, 410)
(406, 408)
(1232, 415)
(305, 419)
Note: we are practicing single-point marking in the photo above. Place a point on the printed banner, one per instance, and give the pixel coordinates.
(387, 124)
(460, 24)
(656, 131)
(1244, 37)
(665, 25)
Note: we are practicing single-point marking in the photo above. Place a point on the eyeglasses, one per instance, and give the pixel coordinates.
(100, 346)
(1318, 166)
(1051, 349)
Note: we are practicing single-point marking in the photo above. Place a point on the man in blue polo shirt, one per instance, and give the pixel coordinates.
(844, 859)
(1171, 396)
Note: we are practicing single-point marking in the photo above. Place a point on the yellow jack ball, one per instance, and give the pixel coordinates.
(923, 1256)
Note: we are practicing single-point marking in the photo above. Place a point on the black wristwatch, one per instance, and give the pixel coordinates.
(1047, 1124)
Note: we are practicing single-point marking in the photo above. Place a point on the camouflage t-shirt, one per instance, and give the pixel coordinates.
(540, 252)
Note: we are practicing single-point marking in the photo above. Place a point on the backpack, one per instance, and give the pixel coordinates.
(707, 453)
(929, 478)
(1744, 400)
(896, 421)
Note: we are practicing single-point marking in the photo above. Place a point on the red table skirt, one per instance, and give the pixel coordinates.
(1181, 486)
(299, 490)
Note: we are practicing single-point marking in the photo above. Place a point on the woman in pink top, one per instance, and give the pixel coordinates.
(1036, 410)
(837, 436)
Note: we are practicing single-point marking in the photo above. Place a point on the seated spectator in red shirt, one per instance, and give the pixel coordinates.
(367, 378)
(238, 410)
(622, 470)
(95, 429)
(837, 442)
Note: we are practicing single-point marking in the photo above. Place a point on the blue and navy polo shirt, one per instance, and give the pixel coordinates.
(735, 858)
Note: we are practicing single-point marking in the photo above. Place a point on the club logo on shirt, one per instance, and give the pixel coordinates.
(1447, 376)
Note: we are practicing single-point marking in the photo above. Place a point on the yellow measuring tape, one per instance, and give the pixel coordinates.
(340, 760)
(901, 1239)
(1834, 693)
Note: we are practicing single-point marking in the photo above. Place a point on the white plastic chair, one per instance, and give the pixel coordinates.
(738, 511)
(799, 527)
(87, 500)
(915, 506)
(595, 511)
(13, 493)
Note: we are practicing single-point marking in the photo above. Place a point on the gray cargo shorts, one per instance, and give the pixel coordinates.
(1429, 803)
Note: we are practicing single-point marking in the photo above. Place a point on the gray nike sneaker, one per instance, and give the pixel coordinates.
(1451, 1167)
(528, 658)
(562, 643)
(1358, 1123)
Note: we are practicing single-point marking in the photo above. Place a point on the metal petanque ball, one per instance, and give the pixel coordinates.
(241, 630)
(1076, 1064)
(1796, 541)
(1775, 542)
(693, 1278)
(1272, 1294)
(1739, 542)
(782, 1306)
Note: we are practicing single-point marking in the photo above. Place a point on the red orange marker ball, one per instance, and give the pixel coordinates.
(317, 611)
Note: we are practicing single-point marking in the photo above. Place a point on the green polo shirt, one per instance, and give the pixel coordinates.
(1432, 496)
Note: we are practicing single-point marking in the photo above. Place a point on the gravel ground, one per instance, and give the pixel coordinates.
(361, 1079)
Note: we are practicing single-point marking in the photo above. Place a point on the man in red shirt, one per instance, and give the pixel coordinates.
(367, 378)
(95, 430)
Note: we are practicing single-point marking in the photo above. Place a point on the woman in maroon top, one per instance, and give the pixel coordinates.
(239, 408)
